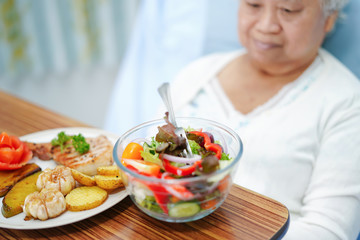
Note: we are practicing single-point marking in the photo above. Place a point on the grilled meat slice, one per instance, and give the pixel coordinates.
(100, 154)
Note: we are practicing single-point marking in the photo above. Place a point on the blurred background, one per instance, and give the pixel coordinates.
(101, 61)
(64, 55)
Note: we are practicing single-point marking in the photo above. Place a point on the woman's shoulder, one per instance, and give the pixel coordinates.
(337, 86)
(337, 75)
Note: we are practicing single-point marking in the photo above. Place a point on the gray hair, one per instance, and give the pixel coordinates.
(330, 6)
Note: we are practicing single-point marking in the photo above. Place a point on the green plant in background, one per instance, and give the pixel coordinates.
(11, 31)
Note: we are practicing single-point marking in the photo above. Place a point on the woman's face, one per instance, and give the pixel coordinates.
(282, 34)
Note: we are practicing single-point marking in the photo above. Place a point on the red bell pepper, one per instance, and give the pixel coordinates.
(216, 148)
(160, 194)
(179, 191)
(180, 171)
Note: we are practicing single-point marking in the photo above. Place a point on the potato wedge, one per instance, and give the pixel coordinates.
(85, 198)
(82, 178)
(108, 182)
(14, 199)
(9, 178)
(112, 170)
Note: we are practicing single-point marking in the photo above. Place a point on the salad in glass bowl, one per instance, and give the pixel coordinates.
(168, 184)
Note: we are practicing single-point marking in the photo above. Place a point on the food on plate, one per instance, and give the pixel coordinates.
(108, 178)
(45, 151)
(14, 153)
(77, 141)
(83, 179)
(48, 203)
(41, 194)
(172, 185)
(8, 178)
(112, 170)
(132, 151)
(42, 151)
(100, 154)
(85, 198)
(59, 178)
(108, 182)
(73, 152)
(14, 200)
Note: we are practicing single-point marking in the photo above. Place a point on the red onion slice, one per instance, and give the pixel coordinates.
(207, 191)
(172, 158)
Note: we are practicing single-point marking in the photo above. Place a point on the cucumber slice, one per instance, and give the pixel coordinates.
(185, 209)
(146, 147)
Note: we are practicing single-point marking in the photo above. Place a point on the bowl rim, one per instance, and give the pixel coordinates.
(181, 180)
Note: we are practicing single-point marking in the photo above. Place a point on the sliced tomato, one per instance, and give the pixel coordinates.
(149, 168)
(132, 151)
(15, 142)
(224, 184)
(18, 154)
(13, 153)
(5, 140)
(6, 155)
(209, 204)
(27, 155)
(12, 166)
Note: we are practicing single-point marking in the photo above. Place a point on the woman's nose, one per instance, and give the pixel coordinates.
(268, 22)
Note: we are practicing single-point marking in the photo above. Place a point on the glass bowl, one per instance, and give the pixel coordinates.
(159, 197)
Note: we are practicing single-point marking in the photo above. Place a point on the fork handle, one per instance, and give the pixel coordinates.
(164, 91)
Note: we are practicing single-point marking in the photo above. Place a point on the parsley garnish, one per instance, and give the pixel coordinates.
(78, 141)
(80, 144)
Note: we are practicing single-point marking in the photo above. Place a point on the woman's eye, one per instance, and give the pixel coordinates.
(253, 5)
(289, 11)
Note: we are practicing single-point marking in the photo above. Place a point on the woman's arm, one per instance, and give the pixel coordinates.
(331, 207)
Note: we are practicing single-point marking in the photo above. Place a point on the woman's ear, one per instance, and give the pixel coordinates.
(330, 21)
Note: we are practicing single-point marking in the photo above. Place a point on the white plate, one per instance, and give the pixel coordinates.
(17, 222)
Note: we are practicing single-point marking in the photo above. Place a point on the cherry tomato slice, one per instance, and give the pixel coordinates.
(133, 151)
(149, 168)
(209, 204)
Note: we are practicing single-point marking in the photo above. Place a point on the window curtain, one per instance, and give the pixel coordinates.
(55, 36)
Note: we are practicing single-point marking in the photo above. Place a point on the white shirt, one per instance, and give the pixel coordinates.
(302, 147)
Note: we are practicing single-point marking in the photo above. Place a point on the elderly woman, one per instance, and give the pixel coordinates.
(296, 108)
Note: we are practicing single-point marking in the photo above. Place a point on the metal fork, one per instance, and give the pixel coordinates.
(164, 91)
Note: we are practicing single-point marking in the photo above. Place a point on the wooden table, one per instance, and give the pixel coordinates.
(244, 214)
